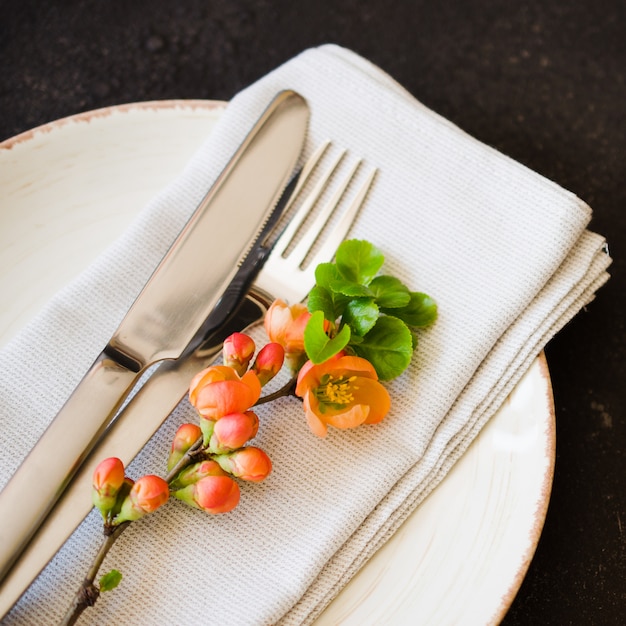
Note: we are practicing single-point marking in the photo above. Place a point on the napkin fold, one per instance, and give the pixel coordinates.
(506, 254)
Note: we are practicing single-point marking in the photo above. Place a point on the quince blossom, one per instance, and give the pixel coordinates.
(218, 390)
(343, 392)
(285, 325)
(269, 362)
(248, 463)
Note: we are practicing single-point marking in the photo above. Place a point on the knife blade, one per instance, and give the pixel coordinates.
(166, 319)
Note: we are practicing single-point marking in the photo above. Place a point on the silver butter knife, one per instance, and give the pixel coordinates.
(167, 318)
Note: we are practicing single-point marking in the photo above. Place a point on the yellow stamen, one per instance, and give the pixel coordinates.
(336, 390)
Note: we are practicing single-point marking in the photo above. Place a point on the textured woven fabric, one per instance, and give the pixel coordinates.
(504, 252)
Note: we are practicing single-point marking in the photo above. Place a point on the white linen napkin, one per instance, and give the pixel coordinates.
(504, 252)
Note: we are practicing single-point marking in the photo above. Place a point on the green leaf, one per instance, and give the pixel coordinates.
(350, 288)
(320, 299)
(325, 273)
(359, 261)
(110, 580)
(414, 340)
(389, 292)
(388, 347)
(420, 311)
(361, 315)
(318, 345)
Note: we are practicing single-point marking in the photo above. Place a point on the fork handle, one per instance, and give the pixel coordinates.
(39, 481)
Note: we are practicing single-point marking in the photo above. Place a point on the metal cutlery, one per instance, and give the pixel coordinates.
(165, 320)
(283, 275)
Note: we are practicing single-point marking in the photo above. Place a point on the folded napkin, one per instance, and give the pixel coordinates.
(504, 252)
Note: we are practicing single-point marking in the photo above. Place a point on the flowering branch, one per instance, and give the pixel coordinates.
(357, 329)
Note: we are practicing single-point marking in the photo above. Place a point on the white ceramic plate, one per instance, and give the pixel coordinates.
(70, 188)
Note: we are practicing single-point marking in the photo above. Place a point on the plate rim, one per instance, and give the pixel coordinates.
(107, 111)
(546, 491)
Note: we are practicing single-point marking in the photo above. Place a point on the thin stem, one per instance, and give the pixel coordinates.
(185, 460)
(286, 390)
(88, 593)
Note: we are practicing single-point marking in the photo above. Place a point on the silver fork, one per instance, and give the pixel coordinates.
(283, 276)
(283, 273)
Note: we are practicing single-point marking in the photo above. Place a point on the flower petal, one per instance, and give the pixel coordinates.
(224, 397)
(315, 424)
(207, 376)
(356, 366)
(351, 417)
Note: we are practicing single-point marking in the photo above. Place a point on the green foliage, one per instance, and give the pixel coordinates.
(110, 580)
(359, 261)
(361, 315)
(319, 346)
(356, 309)
(421, 310)
(388, 346)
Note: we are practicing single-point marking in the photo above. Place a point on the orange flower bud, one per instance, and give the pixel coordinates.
(146, 496)
(237, 351)
(269, 362)
(248, 463)
(218, 390)
(185, 437)
(196, 472)
(232, 431)
(285, 325)
(108, 477)
(213, 494)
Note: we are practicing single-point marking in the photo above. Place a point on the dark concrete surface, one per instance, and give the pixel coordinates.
(544, 82)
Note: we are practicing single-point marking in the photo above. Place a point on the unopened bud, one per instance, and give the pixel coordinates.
(237, 351)
(146, 496)
(247, 463)
(213, 494)
(206, 426)
(232, 431)
(269, 362)
(184, 438)
(108, 477)
(196, 472)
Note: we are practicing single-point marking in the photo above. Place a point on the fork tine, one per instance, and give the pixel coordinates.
(284, 272)
(305, 244)
(327, 250)
(296, 221)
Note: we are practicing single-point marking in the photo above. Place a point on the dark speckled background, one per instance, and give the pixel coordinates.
(544, 82)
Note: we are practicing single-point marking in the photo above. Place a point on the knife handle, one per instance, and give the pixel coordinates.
(42, 476)
(124, 438)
